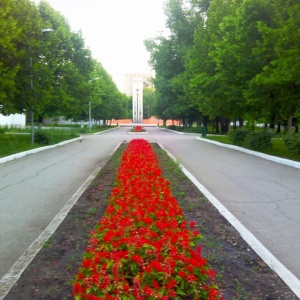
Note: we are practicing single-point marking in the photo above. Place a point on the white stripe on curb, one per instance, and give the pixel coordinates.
(279, 160)
(288, 277)
(36, 150)
(15, 272)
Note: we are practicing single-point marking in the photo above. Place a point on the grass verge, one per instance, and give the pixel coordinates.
(15, 140)
(278, 149)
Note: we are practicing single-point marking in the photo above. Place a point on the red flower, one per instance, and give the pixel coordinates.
(214, 294)
(148, 291)
(155, 284)
(181, 274)
(191, 278)
(171, 284)
(137, 258)
(87, 263)
(143, 239)
(192, 224)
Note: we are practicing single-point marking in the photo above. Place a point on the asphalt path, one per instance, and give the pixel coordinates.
(263, 195)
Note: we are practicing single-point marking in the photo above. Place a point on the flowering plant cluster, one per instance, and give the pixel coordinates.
(138, 128)
(143, 247)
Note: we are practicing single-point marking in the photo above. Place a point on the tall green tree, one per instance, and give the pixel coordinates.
(19, 20)
(148, 102)
(277, 85)
(167, 59)
(109, 103)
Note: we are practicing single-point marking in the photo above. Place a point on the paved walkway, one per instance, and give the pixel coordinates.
(264, 196)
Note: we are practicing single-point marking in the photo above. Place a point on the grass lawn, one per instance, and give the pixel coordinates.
(279, 149)
(16, 140)
(13, 143)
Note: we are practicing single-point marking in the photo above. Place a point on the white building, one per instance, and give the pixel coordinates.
(15, 120)
(129, 78)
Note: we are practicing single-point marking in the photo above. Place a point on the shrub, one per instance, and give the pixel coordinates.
(292, 142)
(42, 137)
(238, 136)
(172, 127)
(259, 140)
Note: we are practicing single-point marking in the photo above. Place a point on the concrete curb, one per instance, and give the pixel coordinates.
(96, 133)
(288, 277)
(142, 132)
(15, 272)
(178, 132)
(36, 150)
(279, 160)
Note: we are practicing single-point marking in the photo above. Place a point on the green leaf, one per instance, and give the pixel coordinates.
(180, 292)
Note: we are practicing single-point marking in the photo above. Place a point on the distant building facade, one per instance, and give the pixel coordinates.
(13, 120)
(130, 78)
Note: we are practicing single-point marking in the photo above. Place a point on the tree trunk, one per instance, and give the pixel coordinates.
(272, 124)
(278, 127)
(224, 125)
(217, 125)
(205, 122)
(40, 122)
(241, 122)
(289, 123)
(234, 124)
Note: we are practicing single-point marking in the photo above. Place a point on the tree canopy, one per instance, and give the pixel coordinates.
(228, 60)
(45, 65)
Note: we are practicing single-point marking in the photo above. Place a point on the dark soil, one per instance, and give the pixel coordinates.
(241, 273)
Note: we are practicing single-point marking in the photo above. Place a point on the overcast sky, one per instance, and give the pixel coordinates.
(114, 30)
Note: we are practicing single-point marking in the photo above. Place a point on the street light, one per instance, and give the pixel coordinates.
(90, 109)
(31, 87)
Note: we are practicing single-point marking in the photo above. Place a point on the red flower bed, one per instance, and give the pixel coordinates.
(138, 128)
(143, 248)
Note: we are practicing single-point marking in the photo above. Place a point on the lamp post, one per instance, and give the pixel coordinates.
(137, 105)
(90, 109)
(31, 87)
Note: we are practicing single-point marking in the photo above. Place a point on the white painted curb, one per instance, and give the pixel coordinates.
(288, 277)
(15, 272)
(36, 150)
(178, 132)
(97, 133)
(279, 160)
(142, 132)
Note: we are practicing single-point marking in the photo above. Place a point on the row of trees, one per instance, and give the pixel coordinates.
(228, 60)
(47, 67)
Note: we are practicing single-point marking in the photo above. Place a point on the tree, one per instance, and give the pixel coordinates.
(148, 102)
(109, 103)
(277, 85)
(167, 59)
(164, 63)
(17, 36)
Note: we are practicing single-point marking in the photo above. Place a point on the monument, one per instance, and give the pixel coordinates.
(137, 100)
